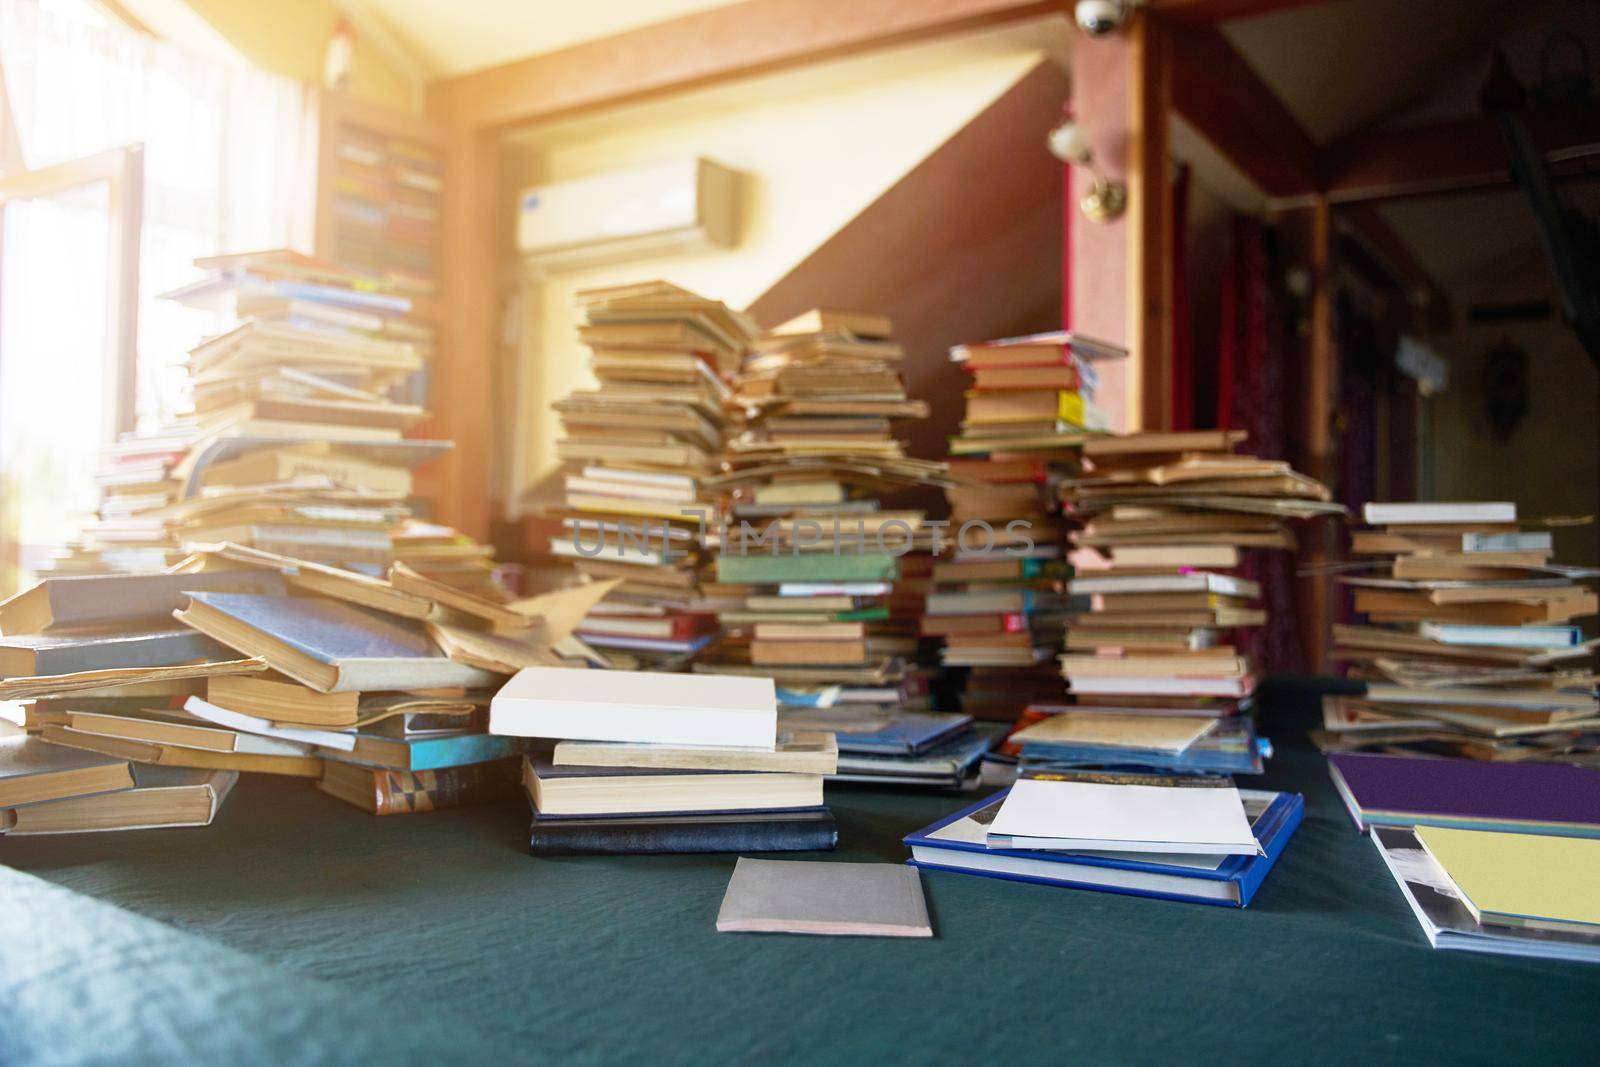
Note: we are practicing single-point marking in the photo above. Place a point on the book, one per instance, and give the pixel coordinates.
(1535, 881)
(1537, 798)
(857, 899)
(1434, 514)
(795, 753)
(33, 771)
(893, 732)
(183, 735)
(1120, 733)
(282, 700)
(958, 843)
(637, 706)
(296, 766)
(87, 601)
(424, 752)
(640, 791)
(1449, 924)
(161, 797)
(38, 655)
(741, 832)
(950, 764)
(385, 791)
(1502, 636)
(329, 645)
(820, 567)
(1181, 816)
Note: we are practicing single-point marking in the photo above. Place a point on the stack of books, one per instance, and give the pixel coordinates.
(638, 453)
(1499, 858)
(294, 444)
(809, 572)
(1164, 517)
(996, 605)
(649, 762)
(1197, 839)
(893, 746)
(1472, 647)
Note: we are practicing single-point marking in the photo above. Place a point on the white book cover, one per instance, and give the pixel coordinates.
(344, 741)
(1400, 514)
(1201, 582)
(1107, 817)
(639, 706)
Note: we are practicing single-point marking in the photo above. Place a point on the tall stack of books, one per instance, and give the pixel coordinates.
(640, 452)
(997, 606)
(808, 559)
(651, 762)
(1165, 517)
(1472, 646)
(294, 444)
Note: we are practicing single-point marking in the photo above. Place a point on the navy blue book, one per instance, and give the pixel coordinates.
(910, 734)
(781, 831)
(956, 843)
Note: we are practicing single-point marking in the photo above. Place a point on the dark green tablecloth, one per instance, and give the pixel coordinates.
(298, 929)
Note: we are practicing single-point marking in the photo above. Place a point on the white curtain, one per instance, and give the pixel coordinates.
(221, 158)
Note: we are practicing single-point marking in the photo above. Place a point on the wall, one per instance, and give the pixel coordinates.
(1551, 463)
(816, 147)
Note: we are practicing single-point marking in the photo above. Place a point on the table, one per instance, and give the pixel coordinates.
(297, 929)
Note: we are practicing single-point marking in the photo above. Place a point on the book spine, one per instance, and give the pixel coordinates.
(550, 838)
(406, 793)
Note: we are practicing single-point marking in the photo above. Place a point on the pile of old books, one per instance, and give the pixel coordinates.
(638, 452)
(809, 562)
(296, 620)
(247, 662)
(650, 762)
(1472, 647)
(1172, 837)
(294, 445)
(1164, 517)
(997, 604)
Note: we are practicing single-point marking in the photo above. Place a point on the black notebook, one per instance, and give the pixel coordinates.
(778, 831)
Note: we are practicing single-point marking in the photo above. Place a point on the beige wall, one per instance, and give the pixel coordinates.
(815, 148)
(1551, 463)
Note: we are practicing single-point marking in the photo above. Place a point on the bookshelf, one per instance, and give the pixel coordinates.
(372, 182)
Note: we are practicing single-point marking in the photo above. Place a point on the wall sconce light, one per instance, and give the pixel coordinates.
(1108, 199)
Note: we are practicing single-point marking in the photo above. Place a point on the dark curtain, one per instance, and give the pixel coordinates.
(1256, 319)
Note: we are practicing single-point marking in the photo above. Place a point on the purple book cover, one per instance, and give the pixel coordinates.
(1472, 789)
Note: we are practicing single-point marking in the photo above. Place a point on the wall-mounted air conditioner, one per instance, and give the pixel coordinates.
(683, 206)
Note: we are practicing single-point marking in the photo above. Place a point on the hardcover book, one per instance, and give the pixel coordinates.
(1530, 798)
(802, 830)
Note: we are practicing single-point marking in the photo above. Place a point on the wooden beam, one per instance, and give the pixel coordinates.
(1222, 10)
(722, 44)
(1426, 296)
(1222, 97)
(1150, 237)
(1449, 156)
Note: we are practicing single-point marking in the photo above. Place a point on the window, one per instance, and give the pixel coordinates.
(220, 148)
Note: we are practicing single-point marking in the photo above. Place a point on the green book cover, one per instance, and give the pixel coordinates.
(819, 567)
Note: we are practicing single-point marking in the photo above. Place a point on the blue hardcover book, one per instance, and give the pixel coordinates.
(956, 843)
(773, 831)
(909, 735)
(427, 753)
